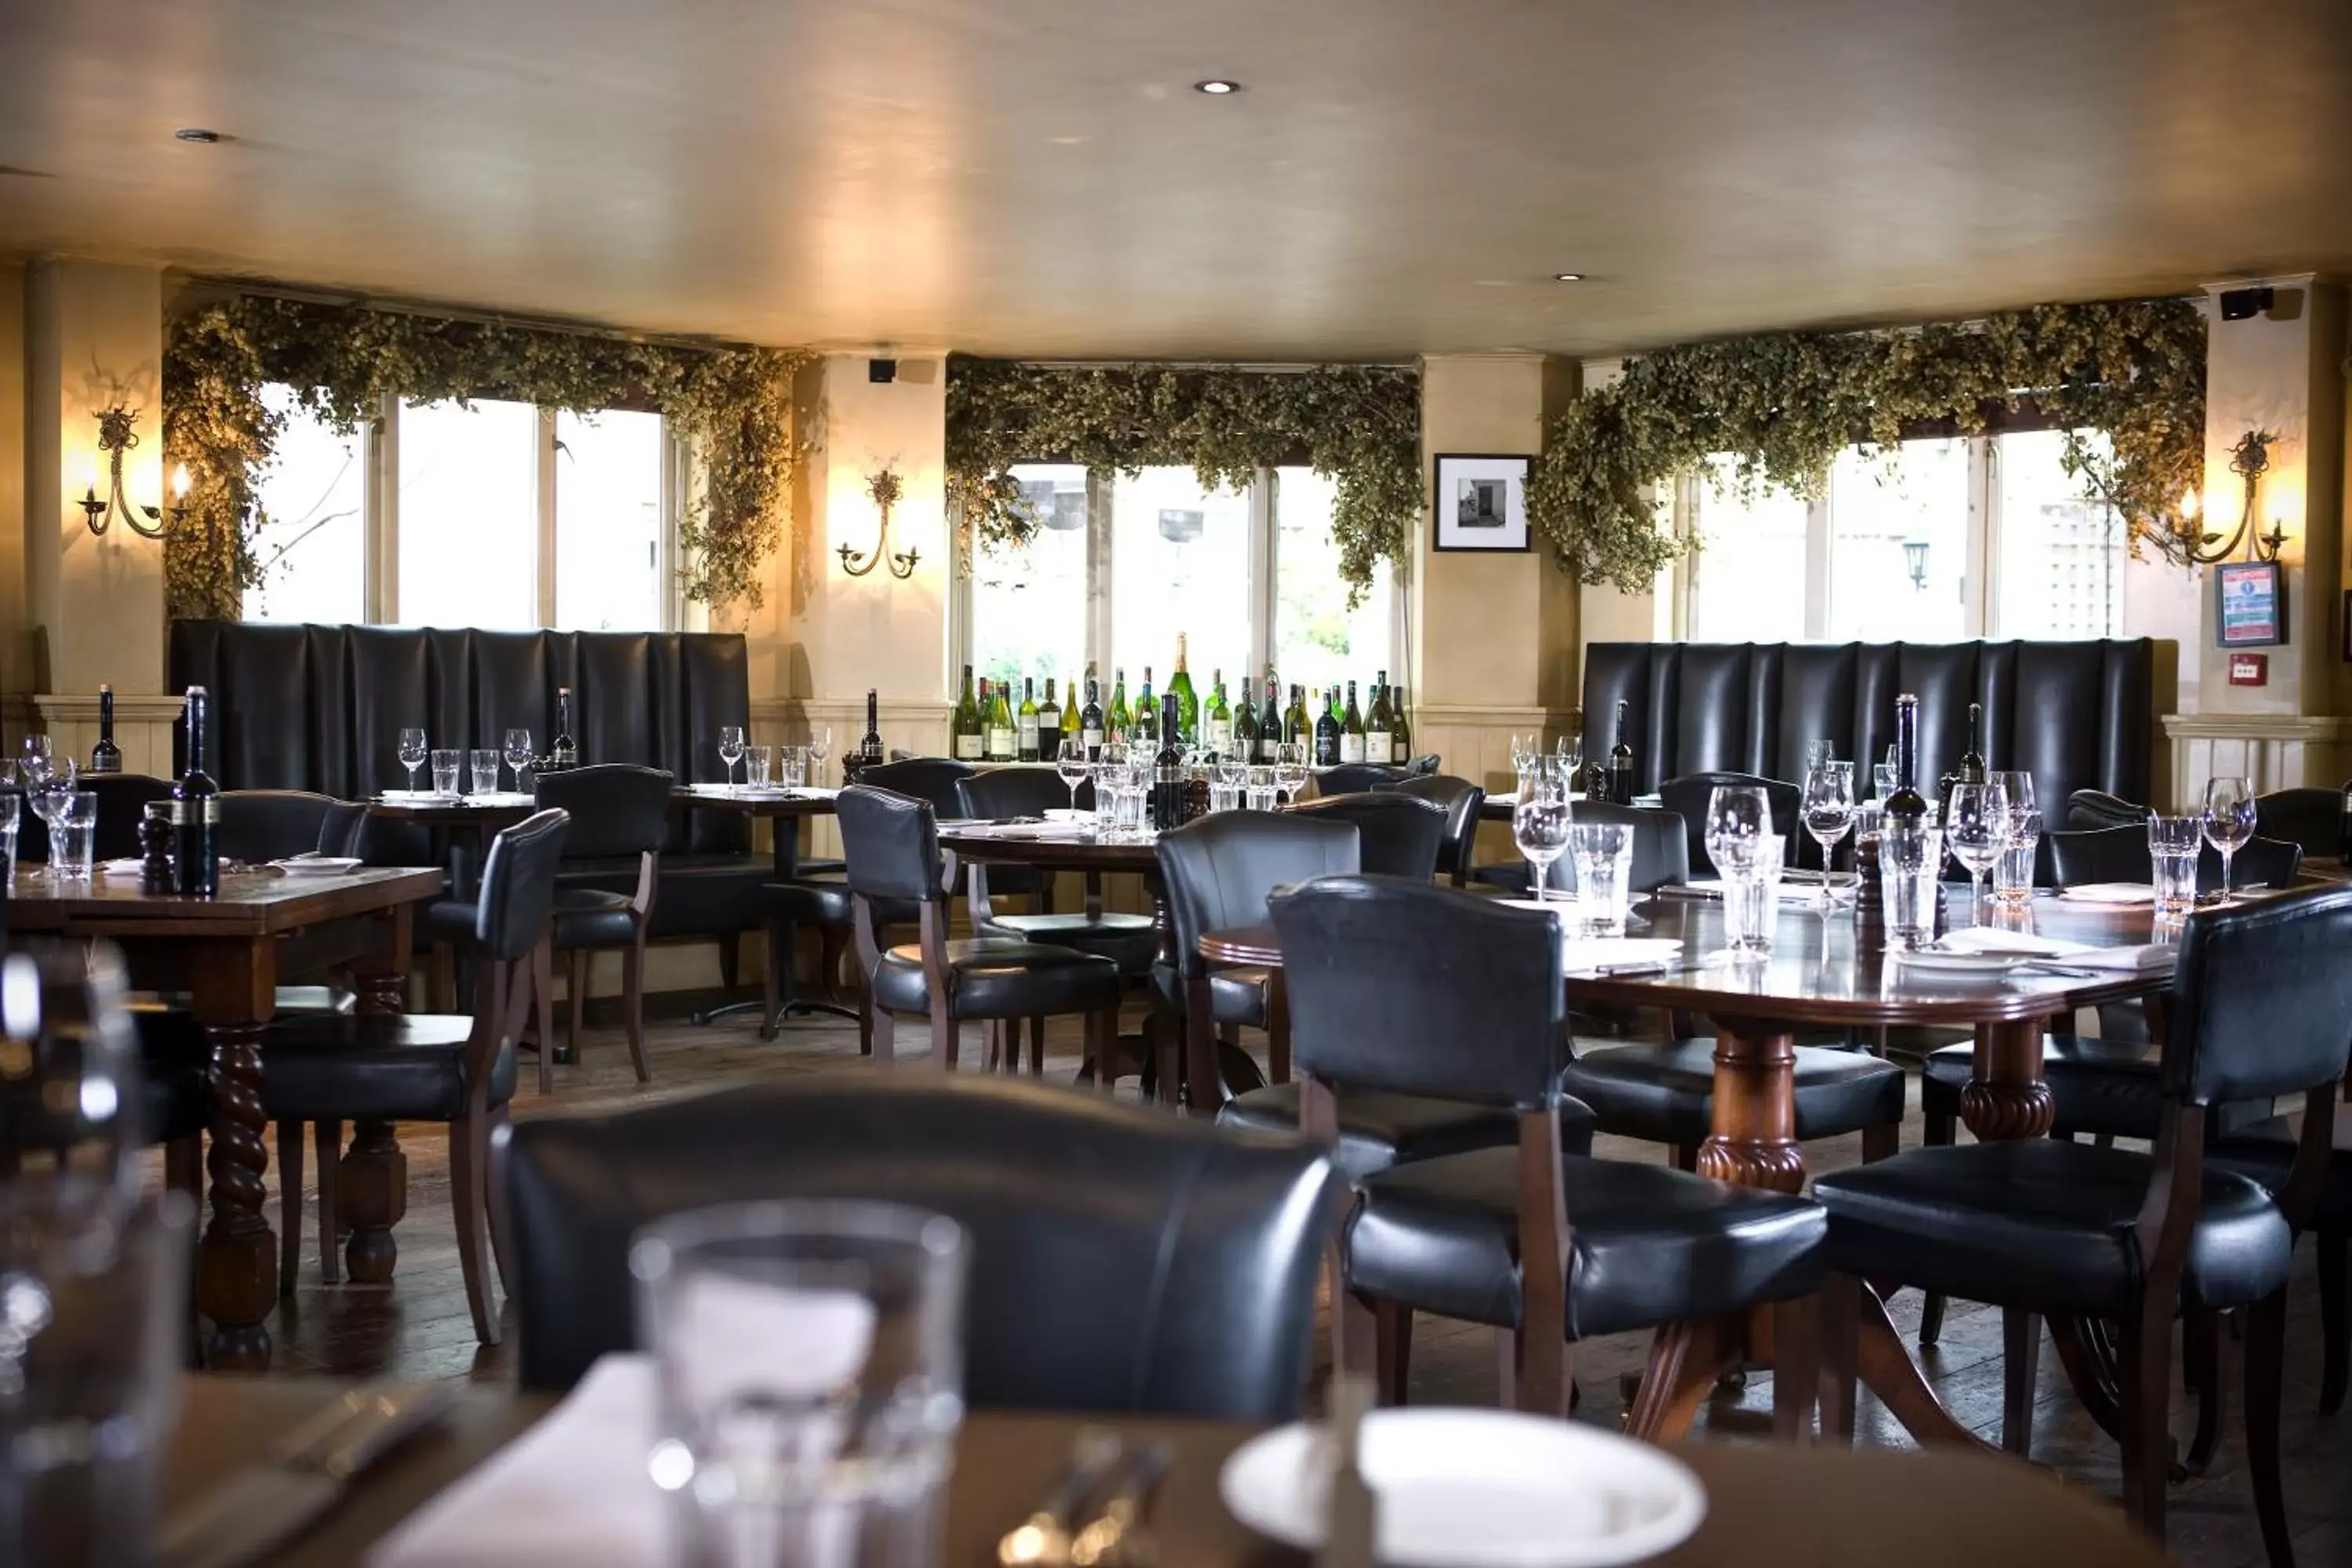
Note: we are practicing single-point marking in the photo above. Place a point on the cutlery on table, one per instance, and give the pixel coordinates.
(1043, 1539)
(1116, 1538)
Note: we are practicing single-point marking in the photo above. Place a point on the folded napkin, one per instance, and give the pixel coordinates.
(129, 866)
(2121, 893)
(500, 797)
(818, 792)
(1020, 829)
(2132, 958)
(1586, 955)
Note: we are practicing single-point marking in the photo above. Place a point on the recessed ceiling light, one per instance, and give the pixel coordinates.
(1217, 87)
(196, 134)
(1567, 276)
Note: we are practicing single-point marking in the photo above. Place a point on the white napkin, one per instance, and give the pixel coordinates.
(129, 866)
(2132, 959)
(2122, 893)
(1022, 829)
(1585, 954)
(416, 797)
(818, 792)
(499, 797)
(1793, 895)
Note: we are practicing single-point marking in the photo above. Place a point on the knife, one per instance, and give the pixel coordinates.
(265, 1504)
(1353, 1526)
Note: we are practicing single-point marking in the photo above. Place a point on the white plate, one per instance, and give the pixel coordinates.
(1477, 1488)
(417, 796)
(2124, 894)
(319, 865)
(1965, 963)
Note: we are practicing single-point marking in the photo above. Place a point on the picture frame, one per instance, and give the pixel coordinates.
(1482, 501)
(2249, 603)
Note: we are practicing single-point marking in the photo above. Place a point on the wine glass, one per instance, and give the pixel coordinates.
(1070, 762)
(1818, 753)
(731, 749)
(51, 796)
(2229, 819)
(1540, 821)
(1976, 826)
(413, 753)
(1570, 752)
(1290, 770)
(1522, 747)
(1827, 808)
(1738, 820)
(518, 753)
(37, 754)
(820, 746)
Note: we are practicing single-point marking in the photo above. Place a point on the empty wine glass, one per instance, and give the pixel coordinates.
(1976, 824)
(413, 753)
(1539, 823)
(518, 753)
(1828, 807)
(1070, 762)
(2229, 819)
(1818, 753)
(1290, 770)
(731, 749)
(1522, 747)
(1738, 820)
(51, 795)
(820, 746)
(1570, 752)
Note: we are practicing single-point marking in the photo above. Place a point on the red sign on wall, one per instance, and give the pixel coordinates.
(2250, 669)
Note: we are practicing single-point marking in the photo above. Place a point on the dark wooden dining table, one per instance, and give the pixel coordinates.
(1764, 1504)
(226, 955)
(454, 812)
(1818, 972)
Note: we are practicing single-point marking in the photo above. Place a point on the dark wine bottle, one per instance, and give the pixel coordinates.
(196, 814)
(965, 727)
(565, 750)
(1167, 769)
(1972, 762)
(869, 752)
(106, 757)
(1621, 788)
(1090, 722)
(1904, 803)
(1327, 734)
(1400, 729)
(1244, 745)
(1269, 719)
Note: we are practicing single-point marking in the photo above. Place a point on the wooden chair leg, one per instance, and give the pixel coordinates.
(501, 1247)
(771, 979)
(633, 1005)
(1840, 1310)
(543, 988)
(328, 1142)
(1355, 1330)
(2144, 1390)
(1507, 1369)
(832, 942)
(289, 1205)
(881, 1031)
(1393, 1351)
(466, 1209)
(1036, 1049)
(2266, 1365)
(2021, 1347)
(2200, 1355)
(1796, 1368)
(1102, 1049)
(944, 1030)
(576, 989)
(2335, 1330)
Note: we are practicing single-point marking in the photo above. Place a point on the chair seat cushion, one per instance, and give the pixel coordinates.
(2097, 1086)
(822, 902)
(1650, 1244)
(1666, 1094)
(1377, 1130)
(1236, 996)
(2263, 1151)
(992, 979)
(450, 921)
(591, 917)
(2042, 1224)
(1131, 941)
(410, 1067)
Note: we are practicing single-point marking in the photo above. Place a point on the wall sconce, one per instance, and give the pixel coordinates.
(2250, 460)
(885, 488)
(115, 436)
(1914, 561)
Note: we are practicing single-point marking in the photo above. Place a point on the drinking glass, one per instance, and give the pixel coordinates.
(2012, 869)
(1739, 822)
(2228, 820)
(1882, 780)
(1070, 762)
(1603, 855)
(2172, 846)
(793, 767)
(1570, 753)
(820, 746)
(483, 764)
(445, 772)
(731, 749)
(809, 1372)
(758, 761)
(1290, 769)
(9, 828)
(412, 754)
(1976, 822)
(1110, 767)
(1827, 806)
(1819, 754)
(36, 754)
(1910, 855)
(1261, 793)
(519, 753)
(1751, 899)
(73, 836)
(1539, 824)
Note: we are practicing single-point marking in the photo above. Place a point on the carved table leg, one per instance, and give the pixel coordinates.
(372, 1195)
(237, 1267)
(2005, 1096)
(1754, 1140)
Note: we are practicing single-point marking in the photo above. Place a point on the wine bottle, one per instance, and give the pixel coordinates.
(1025, 722)
(1399, 729)
(1295, 731)
(1351, 730)
(1904, 803)
(1188, 707)
(1620, 761)
(1217, 718)
(196, 814)
(969, 735)
(1167, 769)
(1327, 733)
(870, 753)
(1118, 722)
(1245, 723)
(1146, 712)
(106, 757)
(1070, 725)
(1091, 722)
(1003, 743)
(1380, 742)
(1269, 722)
(563, 752)
(1049, 724)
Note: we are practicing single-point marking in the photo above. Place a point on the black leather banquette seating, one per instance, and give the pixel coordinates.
(321, 707)
(2075, 715)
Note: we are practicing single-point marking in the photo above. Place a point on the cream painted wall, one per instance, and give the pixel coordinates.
(16, 627)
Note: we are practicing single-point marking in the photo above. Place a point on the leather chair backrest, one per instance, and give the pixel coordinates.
(1413, 988)
(2075, 715)
(342, 827)
(1350, 778)
(1218, 871)
(2121, 855)
(2093, 808)
(321, 707)
(1000, 792)
(934, 779)
(1396, 836)
(2261, 999)
(889, 843)
(2313, 818)
(1422, 766)
(261, 824)
(1687, 798)
(1661, 845)
(615, 808)
(1462, 801)
(122, 800)
(1122, 1262)
(518, 897)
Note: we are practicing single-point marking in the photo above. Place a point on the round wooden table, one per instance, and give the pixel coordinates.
(1816, 974)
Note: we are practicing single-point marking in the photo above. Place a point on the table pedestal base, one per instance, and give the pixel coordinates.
(237, 1263)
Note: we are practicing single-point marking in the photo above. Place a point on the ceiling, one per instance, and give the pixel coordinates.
(1036, 177)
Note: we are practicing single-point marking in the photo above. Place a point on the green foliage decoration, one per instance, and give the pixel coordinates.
(733, 404)
(1358, 425)
(1784, 405)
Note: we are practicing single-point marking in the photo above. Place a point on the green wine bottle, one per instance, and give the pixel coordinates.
(1117, 720)
(1295, 729)
(1069, 713)
(1269, 721)
(1351, 728)
(971, 736)
(1217, 718)
(1146, 712)
(1380, 742)
(1001, 737)
(1188, 706)
(1027, 721)
(1245, 748)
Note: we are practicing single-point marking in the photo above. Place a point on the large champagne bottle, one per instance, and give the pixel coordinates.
(106, 757)
(1621, 762)
(969, 735)
(1168, 770)
(195, 814)
(1188, 707)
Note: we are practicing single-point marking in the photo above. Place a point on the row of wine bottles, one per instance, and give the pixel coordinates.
(990, 725)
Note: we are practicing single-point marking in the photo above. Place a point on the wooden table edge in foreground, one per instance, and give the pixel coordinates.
(1765, 1503)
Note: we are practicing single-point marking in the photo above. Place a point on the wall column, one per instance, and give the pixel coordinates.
(2281, 371)
(1493, 637)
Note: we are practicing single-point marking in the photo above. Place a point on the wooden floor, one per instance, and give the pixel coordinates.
(418, 1326)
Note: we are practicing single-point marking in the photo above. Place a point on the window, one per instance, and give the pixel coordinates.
(1124, 563)
(312, 538)
(1932, 541)
(496, 514)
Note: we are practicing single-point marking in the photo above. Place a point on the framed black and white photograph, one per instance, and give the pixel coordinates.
(1482, 502)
